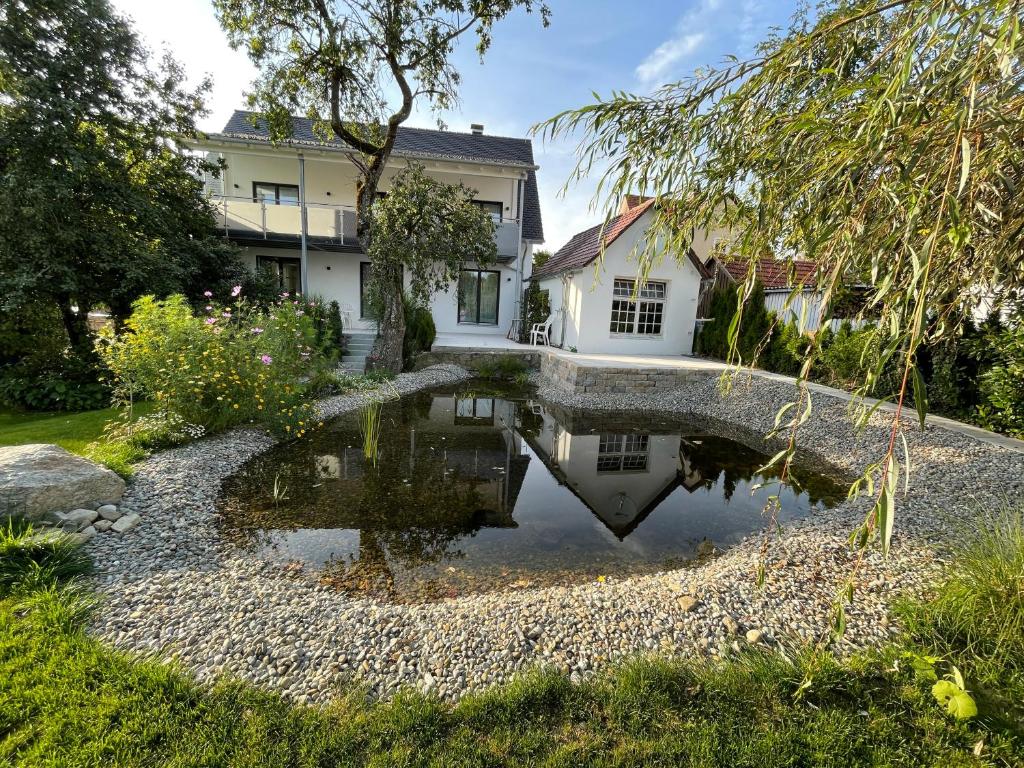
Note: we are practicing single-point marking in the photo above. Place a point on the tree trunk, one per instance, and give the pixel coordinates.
(77, 327)
(387, 349)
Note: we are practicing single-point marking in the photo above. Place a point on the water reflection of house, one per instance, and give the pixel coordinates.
(621, 475)
(473, 437)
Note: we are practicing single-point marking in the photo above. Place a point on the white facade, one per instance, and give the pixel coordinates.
(333, 257)
(582, 299)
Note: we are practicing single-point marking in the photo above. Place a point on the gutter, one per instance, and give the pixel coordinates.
(298, 146)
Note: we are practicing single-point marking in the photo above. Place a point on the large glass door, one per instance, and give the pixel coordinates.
(479, 292)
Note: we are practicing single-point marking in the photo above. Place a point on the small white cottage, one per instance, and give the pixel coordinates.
(593, 304)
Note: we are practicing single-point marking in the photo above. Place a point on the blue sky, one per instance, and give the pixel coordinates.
(530, 73)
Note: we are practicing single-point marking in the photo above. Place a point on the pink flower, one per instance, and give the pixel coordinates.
(207, 294)
(266, 359)
(209, 308)
(236, 290)
(211, 320)
(226, 314)
(257, 330)
(284, 295)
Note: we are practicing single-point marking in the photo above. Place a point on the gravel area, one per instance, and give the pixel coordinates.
(174, 590)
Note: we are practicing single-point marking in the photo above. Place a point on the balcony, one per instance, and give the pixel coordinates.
(243, 218)
(247, 219)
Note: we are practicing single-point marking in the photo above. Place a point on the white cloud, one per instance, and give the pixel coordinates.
(659, 62)
(692, 30)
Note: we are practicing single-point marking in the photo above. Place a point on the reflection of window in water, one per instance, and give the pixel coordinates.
(623, 453)
(471, 410)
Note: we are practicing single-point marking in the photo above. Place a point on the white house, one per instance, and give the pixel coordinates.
(264, 187)
(591, 284)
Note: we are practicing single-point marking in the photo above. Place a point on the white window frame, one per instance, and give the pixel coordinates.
(623, 289)
(623, 454)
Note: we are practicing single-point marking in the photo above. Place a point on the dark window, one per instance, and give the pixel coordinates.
(275, 194)
(495, 209)
(642, 316)
(282, 269)
(478, 296)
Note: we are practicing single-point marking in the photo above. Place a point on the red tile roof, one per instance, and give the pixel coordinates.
(774, 274)
(584, 247)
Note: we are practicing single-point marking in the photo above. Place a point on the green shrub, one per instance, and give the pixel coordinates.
(420, 330)
(63, 384)
(843, 356)
(786, 350)
(751, 342)
(1001, 386)
(230, 365)
(38, 371)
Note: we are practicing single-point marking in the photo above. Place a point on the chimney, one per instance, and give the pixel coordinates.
(629, 202)
(477, 129)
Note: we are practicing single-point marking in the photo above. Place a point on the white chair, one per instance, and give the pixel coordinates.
(541, 332)
(347, 311)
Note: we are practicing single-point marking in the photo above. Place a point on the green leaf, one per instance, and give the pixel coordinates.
(965, 163)
(920, 396)
(955, 699)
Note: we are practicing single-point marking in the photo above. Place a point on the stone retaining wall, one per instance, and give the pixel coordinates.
(573, 378)
(473, 358)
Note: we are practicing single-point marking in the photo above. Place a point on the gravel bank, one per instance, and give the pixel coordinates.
(174, 590)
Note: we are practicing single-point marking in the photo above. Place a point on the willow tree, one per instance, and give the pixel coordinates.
(883, 140)
(357, 68)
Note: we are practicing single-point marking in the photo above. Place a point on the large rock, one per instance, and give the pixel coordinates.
(37, 479)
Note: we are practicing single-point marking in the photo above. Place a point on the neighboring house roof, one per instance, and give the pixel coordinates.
(421, 143)
(774, 274)
(584, 248)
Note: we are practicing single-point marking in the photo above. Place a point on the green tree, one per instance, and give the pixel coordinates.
(882, 139)
(540, 258)
(357, 68)
(96, 204)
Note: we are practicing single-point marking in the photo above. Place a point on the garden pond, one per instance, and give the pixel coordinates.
(475, 488)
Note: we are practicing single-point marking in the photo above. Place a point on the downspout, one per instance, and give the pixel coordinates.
(517, 318)
(304, 257)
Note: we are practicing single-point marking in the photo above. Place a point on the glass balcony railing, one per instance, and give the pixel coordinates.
(247, 218)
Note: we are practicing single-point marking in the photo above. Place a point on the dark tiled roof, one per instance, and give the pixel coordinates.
(425, 143)
(774, 274)
(584, 247)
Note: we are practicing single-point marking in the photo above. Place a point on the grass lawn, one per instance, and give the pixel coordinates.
(68, 700)
(73, 431)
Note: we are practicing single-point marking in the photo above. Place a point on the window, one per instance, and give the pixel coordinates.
(478, 296)
(623, 453)
(640, 317)
(495, 209)
(275, 194)
(282, 269)
(474, 410)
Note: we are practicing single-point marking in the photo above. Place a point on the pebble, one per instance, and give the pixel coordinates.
(173, 587)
